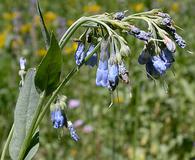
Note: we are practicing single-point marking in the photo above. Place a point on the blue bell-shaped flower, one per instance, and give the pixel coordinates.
(80, 54)
(113, 76)
(93, 59)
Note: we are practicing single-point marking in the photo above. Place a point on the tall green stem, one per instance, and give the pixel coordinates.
(7, 143)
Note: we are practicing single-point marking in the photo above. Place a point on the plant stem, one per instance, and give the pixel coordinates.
(31, 129)
(76, 25)
(7, 143)
(38, 114)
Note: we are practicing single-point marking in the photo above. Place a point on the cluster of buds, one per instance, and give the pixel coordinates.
(166, 23)
(59, 118)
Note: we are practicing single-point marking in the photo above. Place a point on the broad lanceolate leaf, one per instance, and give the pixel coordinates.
(25, 108)
(44, 30)
(48, 72)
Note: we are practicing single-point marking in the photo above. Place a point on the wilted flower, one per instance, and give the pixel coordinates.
(80, 54)
(88, 129)
(92, 61)
(123, 72)
(72, 131)
(73, 103)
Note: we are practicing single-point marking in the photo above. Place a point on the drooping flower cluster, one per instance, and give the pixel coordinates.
(59, 119)
(157, 64)
(157, 55)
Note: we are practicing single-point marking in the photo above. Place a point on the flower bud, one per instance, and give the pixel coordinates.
(179, 40)
(169, 44)
(119, 15)
(22, 63)
(123, 72)
(124, 50)
(72, 131)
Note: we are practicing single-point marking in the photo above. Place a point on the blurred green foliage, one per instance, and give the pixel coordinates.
(147, 121)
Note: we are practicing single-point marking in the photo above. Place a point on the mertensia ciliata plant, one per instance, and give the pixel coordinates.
(102, 44)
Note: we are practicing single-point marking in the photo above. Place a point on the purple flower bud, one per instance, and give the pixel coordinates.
(164, 15)
(58, 118)
(179, 40)
(88, 129)
(144, 36)
(135, 30)
(80, 54)
(72, 131)
(119, 15)
(73, 103)
(140, 34)
(166, 21)
(144, 56)
(113, 74)
(93, 59)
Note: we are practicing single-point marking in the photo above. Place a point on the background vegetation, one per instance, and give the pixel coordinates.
(148, 121)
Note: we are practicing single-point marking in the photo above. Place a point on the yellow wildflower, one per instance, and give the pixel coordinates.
(71, 49)
(94, 8)
(9, 16)
(118, 100)
(73, 152)
(25, 28)
(50, 17)
(138, 7)
(17, 43)
(36, 20)
(175, 7)
(3, 36)
(70, 22)
(42, 52)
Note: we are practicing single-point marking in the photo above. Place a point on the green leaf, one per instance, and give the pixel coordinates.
(33, 147)
(25, 108)
(44, 30)
(49, 70)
